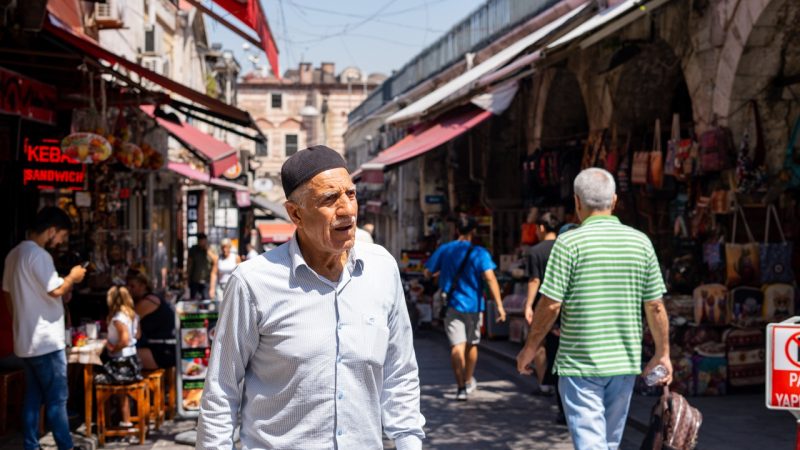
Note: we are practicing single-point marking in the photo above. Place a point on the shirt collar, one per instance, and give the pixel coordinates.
(604, 218)
(354, 264)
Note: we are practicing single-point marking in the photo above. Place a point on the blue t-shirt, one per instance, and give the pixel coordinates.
(468, 294)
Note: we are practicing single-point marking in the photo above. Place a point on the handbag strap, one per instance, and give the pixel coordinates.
(657, 137)
(760, 151)
(740, 212)
(676, 128)
(773, 212)
(460, 270)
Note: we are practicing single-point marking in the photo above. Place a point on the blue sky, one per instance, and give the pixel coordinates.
(374, 35)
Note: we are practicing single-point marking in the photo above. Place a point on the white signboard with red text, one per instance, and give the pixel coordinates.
(783, 365)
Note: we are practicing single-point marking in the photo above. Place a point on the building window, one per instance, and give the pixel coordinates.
(261, 148)
(291, 144)
(277, 101)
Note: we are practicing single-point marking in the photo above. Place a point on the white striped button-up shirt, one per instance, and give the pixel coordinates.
(313, 364)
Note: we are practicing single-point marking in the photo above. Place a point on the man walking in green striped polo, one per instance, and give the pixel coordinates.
(598, 277)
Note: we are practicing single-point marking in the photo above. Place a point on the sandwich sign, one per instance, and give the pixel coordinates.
(783, 365)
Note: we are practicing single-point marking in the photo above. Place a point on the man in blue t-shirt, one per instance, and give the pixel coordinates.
(465, 299)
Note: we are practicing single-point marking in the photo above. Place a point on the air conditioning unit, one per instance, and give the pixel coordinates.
(154, 63)
(110, 14)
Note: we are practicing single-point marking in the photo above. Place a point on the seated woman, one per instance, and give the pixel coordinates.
(123, 329)
(156, 347)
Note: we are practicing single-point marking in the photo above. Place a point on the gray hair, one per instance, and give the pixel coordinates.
(225, 243)
(596, 188)
(299, 195)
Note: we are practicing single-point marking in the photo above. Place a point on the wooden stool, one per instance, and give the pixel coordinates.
(155, 383)
(170, 379)
(7, 378)
(140, 393)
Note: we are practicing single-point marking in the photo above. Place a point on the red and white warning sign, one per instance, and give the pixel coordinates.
(783, 365)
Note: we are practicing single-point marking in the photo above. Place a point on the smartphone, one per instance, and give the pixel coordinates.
(86, 264)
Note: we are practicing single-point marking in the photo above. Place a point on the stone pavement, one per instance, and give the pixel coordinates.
(739, 421)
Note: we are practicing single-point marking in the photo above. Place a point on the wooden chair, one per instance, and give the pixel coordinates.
(170, 379)
(140, 393)
(15, 379)
(155, 382)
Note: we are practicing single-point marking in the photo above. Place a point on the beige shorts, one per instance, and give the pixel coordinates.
(463, 327)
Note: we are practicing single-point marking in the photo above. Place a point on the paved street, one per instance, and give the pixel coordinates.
(499, 415)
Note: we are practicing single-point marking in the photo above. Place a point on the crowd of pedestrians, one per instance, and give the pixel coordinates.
(274, 369)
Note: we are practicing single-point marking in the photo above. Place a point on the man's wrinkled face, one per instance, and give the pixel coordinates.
(326, 212)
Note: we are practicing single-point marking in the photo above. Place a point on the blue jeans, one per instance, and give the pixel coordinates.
(596, 409)
(46, 383)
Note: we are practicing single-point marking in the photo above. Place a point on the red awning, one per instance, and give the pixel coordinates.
(275, 232)
(56, 27)
(220, 155)
(428, 137)
(191, 173)
(251, 14)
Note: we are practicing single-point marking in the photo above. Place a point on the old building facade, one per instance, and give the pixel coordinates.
(308, 106)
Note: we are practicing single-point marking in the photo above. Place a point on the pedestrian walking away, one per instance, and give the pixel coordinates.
(462, 269)
(307, 351)
(34, 288)
(200, 269)
(598, 276)
(547, 226)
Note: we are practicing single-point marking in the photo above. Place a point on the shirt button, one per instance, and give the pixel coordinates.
(339, 432)
(339, 358)
(340, 326)
(341, 395)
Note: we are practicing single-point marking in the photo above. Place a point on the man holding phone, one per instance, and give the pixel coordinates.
(33, 289)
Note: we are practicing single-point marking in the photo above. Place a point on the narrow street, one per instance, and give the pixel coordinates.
(499, 415)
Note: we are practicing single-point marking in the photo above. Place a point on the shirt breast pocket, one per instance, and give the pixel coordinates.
(375, 335)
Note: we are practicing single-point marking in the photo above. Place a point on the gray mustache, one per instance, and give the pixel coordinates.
(344, 222)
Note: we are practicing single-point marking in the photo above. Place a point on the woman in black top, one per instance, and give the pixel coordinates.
(156, 347)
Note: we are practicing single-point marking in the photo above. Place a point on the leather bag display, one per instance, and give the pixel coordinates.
(778, 302)
(775, 258)
(745, 352)
(710, 304)
(655, 172)
(715, 150)
(742, 260)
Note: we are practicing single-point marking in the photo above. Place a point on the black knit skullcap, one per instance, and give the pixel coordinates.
(305, 164)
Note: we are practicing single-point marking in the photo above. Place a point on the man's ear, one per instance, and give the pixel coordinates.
(294, 212)
(614, 203)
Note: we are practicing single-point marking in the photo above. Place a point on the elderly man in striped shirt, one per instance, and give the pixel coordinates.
(598, 277)
(313, 346)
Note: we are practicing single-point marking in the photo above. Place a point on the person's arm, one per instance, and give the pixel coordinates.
(656, 314)
(75, 276)
(164, 277)
(236, 341)
(124, 337)
(546, 314)
(657, 320)
(494, 288)
(238, 259)
(400, 399)
(212, 284)
(533, 289)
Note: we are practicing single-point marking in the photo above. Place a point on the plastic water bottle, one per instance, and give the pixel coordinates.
(655, 375)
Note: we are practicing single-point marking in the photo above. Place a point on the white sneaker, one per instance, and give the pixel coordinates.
(472, 385)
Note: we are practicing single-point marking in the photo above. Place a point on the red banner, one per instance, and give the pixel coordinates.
(22, 96)
(251, 14)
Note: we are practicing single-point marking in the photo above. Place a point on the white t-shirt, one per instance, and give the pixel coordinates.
(363, 236)
(28, 276)
(113, 334)
(225, 267)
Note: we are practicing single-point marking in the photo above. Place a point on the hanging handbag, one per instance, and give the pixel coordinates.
(674, 424)
(791, 163)
(655, 172)
(715, 146)
(750, 172)
(612, 156)
(775, 258)
(778, 302)
(742, 260)
(447, 295)
(640, 167)
(710, 304)
(672, 146)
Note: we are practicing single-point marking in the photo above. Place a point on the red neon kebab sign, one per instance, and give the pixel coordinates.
(45, 166)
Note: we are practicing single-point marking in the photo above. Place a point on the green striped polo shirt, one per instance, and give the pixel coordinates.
(601, 272)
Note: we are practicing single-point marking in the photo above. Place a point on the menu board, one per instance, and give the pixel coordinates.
(197, 321)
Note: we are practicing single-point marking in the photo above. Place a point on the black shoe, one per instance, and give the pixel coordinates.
(561, 419)
(543, 391)
(461, 395)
